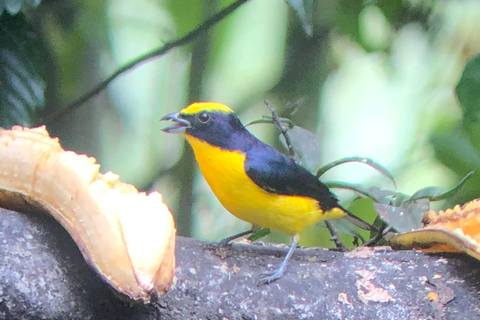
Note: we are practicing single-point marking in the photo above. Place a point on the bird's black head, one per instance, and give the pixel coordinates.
(212, 122)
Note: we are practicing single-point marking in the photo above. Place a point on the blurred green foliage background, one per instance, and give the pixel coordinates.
(375, 79)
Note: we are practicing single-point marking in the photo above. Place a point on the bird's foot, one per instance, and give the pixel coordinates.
(271, 276)
(278, 273)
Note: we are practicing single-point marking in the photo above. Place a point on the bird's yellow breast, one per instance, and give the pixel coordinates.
(225, 173)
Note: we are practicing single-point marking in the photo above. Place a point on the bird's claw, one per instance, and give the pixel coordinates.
(270, 276)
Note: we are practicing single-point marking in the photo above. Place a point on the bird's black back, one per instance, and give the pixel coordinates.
(267, 167)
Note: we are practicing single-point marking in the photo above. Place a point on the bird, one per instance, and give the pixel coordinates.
(254, 181)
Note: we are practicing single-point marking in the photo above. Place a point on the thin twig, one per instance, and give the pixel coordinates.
(334, 236)
(150, 55)
(283, 130)
(381, 233)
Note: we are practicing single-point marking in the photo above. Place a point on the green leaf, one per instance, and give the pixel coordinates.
(398, 199)
(303, 8)
(471, 125)
(383, 196)
(347, 14)
(305, 146)
(355, 188)
(404, 218)
(259, 234)
(267, 119)
(22, 83)
(364, 160)
(436, 194)
(343, 226)
(469, 98)
(427, 193)
(454, 150)
(467, 88)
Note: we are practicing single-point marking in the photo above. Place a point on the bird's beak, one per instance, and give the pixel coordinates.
(180, 124)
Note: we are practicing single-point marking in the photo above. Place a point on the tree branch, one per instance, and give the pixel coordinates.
(150, 55)
(44, 276)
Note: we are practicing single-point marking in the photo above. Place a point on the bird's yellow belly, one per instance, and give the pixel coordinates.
(225, 173)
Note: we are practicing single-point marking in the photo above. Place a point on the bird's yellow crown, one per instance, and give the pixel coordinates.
(206, 106)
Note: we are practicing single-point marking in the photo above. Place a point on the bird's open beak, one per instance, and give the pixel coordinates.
(180, 124)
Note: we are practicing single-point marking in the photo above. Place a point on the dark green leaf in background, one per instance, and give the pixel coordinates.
(468, 88)
(453, 149)
(13, 6)
(303, 8)
(22, 83)
(347, 18)
(468, 93)
(437, 194)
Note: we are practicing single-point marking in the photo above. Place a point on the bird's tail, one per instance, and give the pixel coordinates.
(359, 222)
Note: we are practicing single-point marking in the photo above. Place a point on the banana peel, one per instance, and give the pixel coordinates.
(126, 236)
(451, 230)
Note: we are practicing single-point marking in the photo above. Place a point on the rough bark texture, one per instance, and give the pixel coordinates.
(43, 276)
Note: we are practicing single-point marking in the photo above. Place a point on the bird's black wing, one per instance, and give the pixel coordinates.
(276, 173)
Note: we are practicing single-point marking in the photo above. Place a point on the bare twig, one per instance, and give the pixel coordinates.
(150, 55)
(381, 233)
(334, 236)
(283, 130)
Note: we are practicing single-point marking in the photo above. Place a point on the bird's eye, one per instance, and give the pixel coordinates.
(203, 117)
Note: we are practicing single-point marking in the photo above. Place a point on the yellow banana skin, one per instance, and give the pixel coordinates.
(126, 236)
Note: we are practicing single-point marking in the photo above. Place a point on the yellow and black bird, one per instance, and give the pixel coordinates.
(252, 180)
